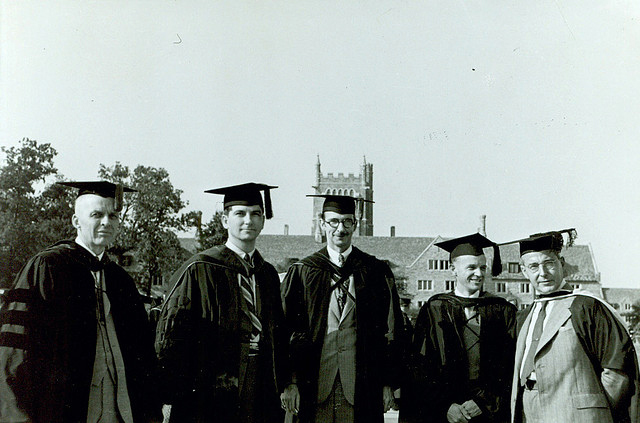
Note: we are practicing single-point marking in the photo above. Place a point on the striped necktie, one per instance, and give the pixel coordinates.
(248, 294)
(341, 297)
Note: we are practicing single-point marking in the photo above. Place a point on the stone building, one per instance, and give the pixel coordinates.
(358, 186)
(622, 299)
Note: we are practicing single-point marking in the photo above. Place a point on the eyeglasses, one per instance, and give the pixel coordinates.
(347, 223)
(548, 266)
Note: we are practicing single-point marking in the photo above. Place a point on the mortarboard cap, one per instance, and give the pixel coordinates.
(343, 204)
(102, 188)
(553, 241)
(472, 245)
(246, 195)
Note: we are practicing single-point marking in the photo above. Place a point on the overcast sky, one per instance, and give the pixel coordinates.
(524, 111)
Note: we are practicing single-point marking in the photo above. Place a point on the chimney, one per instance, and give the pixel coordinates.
(286, 229)
(483, 225)
(393, 231)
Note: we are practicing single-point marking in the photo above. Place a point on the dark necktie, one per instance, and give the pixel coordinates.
(535, 338)
(341, 297)
(248, 259)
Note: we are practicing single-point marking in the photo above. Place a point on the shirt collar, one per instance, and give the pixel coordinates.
(230, 245)
(460, 294)
(333, 255)
(83, 245)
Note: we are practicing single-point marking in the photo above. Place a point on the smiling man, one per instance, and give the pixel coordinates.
(75, 344)
(463, 345)
(575, 361)
(220, 337)
(343, 309)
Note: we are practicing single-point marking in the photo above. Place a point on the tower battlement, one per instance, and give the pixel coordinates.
(355, 185)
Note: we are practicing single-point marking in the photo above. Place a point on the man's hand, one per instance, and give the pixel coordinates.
(471, 408)
(290, 399)
(387, 398)
(457, 414)
(166, 413)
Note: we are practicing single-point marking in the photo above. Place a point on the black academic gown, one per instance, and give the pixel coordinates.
(202, 339)
(46, 372)
(306, 291)
(439, 363)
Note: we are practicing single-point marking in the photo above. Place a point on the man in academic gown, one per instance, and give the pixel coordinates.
(575, 361)
(463, 345)
(343, 309)
(75, 345)
(220, 339)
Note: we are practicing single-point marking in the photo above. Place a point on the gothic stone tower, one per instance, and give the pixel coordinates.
(360, 186)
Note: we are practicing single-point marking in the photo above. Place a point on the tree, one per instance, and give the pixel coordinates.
(150, 219)
(212, 233)
(33, 214)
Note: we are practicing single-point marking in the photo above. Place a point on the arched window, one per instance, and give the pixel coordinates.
(328, 191)
(340, 191)
(352, 193)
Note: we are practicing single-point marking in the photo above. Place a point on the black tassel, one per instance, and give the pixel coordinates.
(496, 266)
(268, 210)
(119, 201)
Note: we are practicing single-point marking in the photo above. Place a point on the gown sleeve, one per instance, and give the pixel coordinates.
(296, 320)
(18, 334)
(396, 335)
(422, 364)
(610, 349)
(176, 335)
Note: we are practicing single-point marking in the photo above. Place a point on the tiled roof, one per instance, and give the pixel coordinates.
(400, 251)
(403, 251)
(621, 295)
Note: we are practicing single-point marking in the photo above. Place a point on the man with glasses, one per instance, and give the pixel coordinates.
(343, 309)
(575, 361)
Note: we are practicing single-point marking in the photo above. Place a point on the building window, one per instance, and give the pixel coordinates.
(514, 267)
(425, 285)
(627, 306)
(501, 287)
(575, 285)
(525, 288)
(448, 285)
(523, 306)
(438, 264)
(627, 319)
